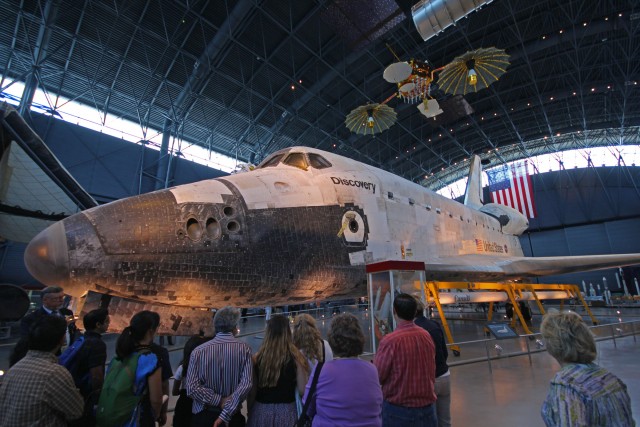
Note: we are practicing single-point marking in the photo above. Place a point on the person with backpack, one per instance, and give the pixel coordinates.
(165, 367)
(85, 360)
(132, 391)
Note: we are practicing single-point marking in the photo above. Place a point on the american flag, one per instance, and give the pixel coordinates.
(511, 186)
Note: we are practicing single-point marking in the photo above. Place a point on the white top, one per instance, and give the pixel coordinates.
(177, 376)
(328, 355)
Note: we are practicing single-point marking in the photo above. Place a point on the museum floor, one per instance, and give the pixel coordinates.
(505, 391)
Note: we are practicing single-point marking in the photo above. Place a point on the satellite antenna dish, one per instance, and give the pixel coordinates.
(407, 87)
(397, 72)
(429, 108)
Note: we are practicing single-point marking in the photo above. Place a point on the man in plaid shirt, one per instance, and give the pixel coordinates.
(37, 391)
(407, 370)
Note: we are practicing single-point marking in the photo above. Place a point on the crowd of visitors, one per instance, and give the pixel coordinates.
(295, 377)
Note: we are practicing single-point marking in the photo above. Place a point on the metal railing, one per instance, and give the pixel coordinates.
(489, 349)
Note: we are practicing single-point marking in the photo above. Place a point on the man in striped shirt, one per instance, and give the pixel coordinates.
(220, 375)
(407, 368)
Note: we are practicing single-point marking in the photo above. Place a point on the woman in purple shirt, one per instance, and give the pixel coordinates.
(348, 392)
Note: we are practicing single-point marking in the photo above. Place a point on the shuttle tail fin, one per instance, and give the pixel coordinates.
(473, 193)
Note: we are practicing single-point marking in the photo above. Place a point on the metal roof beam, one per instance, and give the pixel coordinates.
(39, 49)
(197, 81)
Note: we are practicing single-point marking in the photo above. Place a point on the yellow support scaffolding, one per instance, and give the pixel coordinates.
(514, 293)
(533, 292)
(433, 291)
(578, 295)
(487, 332)
(511, 292)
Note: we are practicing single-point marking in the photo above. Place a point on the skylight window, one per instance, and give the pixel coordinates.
(571, 159)
(89, 117)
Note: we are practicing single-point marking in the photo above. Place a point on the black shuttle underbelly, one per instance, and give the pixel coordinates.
(217, 254)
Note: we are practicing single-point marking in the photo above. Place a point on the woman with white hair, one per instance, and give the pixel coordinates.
(581, 393)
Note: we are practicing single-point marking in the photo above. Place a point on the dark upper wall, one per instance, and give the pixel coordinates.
(586, 211)
(582, 196)
(107, 167)
(608, 237)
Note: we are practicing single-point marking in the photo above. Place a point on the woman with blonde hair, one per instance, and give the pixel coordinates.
(280, 370)
(581, 393)
(306, 337)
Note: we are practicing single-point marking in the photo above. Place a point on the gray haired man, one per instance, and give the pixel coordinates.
(220, 375)
(52, 305)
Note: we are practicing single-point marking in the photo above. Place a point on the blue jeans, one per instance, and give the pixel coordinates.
(401, 416)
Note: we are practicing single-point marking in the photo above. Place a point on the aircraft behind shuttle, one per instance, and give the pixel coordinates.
(299, 228)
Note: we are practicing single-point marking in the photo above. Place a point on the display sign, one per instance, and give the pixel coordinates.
(501, 331)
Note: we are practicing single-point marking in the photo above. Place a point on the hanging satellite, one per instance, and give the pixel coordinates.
(370, 119)
(474, 70)
(429, 108)
(397, 72)
(414, 80)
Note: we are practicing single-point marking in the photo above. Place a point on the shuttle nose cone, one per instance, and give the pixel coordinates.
(46, 256)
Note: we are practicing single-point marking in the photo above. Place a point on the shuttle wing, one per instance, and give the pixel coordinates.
(35, 189)
(487, 267)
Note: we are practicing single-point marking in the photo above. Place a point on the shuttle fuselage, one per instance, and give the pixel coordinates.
(299, 228)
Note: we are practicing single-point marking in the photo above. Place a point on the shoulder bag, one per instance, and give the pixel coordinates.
(305, 420)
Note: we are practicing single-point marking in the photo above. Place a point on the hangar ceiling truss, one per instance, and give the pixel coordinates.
(248, 77)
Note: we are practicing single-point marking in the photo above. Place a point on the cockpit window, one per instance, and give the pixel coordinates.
(297, 160)
(273, 161)
(318, 162)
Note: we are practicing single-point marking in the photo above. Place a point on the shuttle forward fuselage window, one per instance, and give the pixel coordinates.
(318, 162)
(297, 160)
(273, 161)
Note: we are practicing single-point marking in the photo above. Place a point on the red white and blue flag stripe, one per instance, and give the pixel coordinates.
(512, 186)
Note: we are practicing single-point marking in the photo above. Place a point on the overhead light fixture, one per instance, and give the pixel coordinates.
(472, 76)
(370, 121)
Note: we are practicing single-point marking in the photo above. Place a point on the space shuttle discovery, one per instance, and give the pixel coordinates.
(300, 227)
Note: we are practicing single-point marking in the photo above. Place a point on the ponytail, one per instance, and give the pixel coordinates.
(139, 325)
(125, 344)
